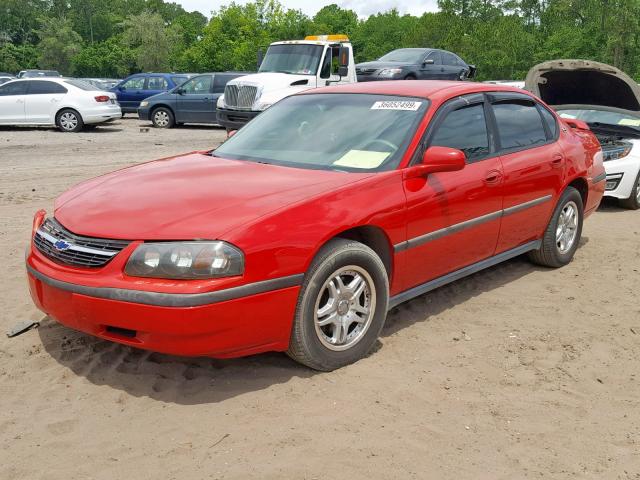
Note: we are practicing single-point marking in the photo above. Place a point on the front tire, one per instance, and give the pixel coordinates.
(562, 236)
(341, 308)
(162, 117)
(633, 202)
(69, 120)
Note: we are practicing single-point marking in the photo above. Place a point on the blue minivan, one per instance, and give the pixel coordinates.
(135, 88)
(194, 101)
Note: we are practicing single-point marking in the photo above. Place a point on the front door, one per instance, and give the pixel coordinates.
(454, 217)
(533, 165)
(432, 68)
(196, 103)
(12, 100)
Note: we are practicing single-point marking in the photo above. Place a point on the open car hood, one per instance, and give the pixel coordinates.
(585, 83)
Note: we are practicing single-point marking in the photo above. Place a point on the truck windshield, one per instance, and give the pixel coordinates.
(345, 132)
(298, 59)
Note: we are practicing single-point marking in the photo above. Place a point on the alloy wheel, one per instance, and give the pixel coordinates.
(345, 308)
(567, 229)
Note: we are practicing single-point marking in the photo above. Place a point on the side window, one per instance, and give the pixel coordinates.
(42, 88)
(448, 59)
(135, 83)
(179, 80)
(435, 56)
(466, 130)
(157, 83)
(198, 85)
(13, 88)
(551, 122)
(519, 124)
(325, 71)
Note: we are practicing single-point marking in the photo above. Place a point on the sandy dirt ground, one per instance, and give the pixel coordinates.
(515, 372)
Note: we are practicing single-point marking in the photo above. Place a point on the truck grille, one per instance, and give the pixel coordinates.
(62, 246)
(240, 96)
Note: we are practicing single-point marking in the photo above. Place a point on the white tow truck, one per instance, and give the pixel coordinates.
(288, 67)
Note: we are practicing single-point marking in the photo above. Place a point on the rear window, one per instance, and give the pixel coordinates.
(81, 85)
(519, 124)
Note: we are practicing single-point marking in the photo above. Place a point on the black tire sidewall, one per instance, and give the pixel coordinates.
(171, 122)
(570, 195)
(323, 358)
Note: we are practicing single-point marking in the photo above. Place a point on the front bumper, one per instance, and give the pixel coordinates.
(376, 78)
(229, 326)
(144, 113)
(235, 119)
(622, 175)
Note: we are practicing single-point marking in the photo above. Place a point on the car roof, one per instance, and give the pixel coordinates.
(429, 89)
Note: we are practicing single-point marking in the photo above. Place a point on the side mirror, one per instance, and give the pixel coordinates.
(343, 71)
(180, 91)
(122, 88)
(428, 61)
(438, 159)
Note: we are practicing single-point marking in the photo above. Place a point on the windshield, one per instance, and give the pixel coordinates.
(346, 132)
(405, 55)
(602, 116)
(298, 59)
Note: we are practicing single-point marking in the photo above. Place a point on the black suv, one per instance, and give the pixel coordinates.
(416, 64)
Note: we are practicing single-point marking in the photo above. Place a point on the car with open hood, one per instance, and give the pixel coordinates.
(608, 101)
(282, 239)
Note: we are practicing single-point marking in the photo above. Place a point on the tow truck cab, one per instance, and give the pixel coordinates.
(288, 67)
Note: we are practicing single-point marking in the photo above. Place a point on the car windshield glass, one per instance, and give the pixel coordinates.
(298, 59)
(602, 116)
(82, 85)
(405, 55)
(346, 132)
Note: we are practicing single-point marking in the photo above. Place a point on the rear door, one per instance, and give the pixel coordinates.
(533, 165)
(42, 101)
(12, 101)
(453, 218)
(196, 103)
(451, 69)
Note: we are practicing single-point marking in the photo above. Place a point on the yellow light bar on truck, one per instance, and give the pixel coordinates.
(328, 38)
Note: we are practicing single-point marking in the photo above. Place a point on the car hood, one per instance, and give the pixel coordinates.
(583, 82)
(378, 65)
(194, 196)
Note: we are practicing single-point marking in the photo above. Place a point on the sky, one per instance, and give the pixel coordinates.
(363, 8)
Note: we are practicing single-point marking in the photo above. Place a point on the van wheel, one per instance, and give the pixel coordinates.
(341, 308)
(562, 236)
(68, 120)
(162, 118)
(633, 202)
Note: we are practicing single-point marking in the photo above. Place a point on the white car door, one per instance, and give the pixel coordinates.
(42, 100)
(12, 101)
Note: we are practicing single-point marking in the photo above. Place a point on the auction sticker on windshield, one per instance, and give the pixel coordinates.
(397, 105)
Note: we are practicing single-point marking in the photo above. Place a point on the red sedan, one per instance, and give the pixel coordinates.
(301, 231)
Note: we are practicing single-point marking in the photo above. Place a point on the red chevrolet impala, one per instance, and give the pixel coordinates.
(301, 231)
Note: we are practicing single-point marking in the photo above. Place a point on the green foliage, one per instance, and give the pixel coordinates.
(503, 38)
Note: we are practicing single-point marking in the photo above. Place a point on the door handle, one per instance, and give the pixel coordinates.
(493, 177)
(557, 160)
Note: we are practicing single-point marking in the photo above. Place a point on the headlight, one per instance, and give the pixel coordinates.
(260, 106)
(144, 103)
(619, 151)
(389, 72)
(220, 103)
(185, 260)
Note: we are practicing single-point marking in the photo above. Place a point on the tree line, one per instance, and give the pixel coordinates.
(503, 38)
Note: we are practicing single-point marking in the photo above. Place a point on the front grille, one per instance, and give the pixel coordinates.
(240, 96)
(63, 246)
(365, 71)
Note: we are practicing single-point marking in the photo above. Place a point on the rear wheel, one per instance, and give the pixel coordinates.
(633, 202)
(341, 308)
(68, 120)
(162, 118)
(562, 236)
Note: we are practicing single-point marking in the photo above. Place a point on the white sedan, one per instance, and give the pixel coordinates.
(66, 103)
